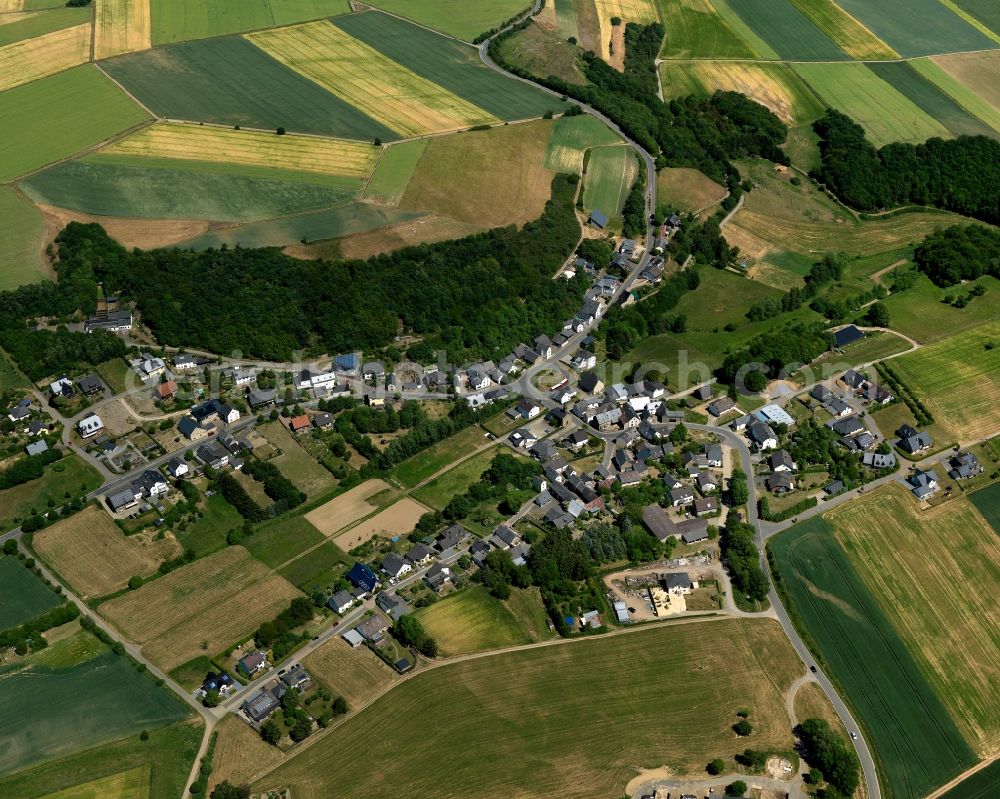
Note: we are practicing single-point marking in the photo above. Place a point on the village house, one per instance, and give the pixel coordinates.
(90, 426)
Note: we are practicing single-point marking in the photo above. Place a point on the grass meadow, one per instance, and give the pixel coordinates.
(295, 463)
(432, 460)
(921, 313)
(441, 490)
(572, 137)
(472, 621)
(393, 172)
(279, 541)
(23, 596)
(70, 474)
(21, 246)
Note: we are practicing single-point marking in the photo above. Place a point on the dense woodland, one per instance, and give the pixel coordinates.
(960, 175)
(959, 253)
(778, 349)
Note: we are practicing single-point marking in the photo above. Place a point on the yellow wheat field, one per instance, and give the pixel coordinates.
(11, 5)
(123, 26)
(757, 82)
(36, 58)
(9, 16)
(378, 86)
(202, 143)
(641, 11)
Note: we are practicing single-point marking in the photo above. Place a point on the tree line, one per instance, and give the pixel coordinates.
(739, 549)
(959, 252)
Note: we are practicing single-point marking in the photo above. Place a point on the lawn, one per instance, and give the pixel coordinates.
(441, 490)
(433, 459)
(787, 30)
(984, 784)
(21, 246)
(956, 379)
(885, 113)
(92, 696)
(916, 743)
(231, 82)
(181, 20)
(393, 172)
(23, 596)
(70, 474)
(278, 541)
(572, 137)
(487, 178)
(439, 723)
(208, 534)
(917, 27)
(610, 173)
(115, 373)
(849, 34)
(472, 621)
(295, 463)
(935, 573)
(919, 312)
(52, 118)
(168, 754)
(987, 502)
(455, 17)
(695, 30)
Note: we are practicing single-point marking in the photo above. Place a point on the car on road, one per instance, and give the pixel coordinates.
(812, 669)
(854, 736)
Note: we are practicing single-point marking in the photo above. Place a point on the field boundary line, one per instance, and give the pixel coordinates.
(828, 61)
(962, 777)
(134, 99)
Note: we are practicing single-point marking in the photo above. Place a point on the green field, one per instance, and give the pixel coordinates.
(330, 224)
(181, 20)
(961, 93)
(295, 463)
(721, 298)
(168, 754)
(789, 32)
(917, 27)
(534, 709)
(231, 82)
(21, 245)
(278, 541)
(23, 596)
(316, 569)
(393, 172)
(695, 30)
(886, 115)
(920, 313)
(40, 24)
(455, 17)
(10, 378)
(984, 784)
(572, 137)
(110, 189)
(131, 784)
(725, 9)
(208, 534)
(917, 745)
(70, 474)
(902, 76)
(987, 502)
(450, 64)
(610, 174)
(440, 491)
(432, 460)
(472, 621)
(541, 51)
(986, 11)
(92, 696)
(54, 117)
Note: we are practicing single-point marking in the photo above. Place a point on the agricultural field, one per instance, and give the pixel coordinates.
(917, 744)
(687, 189)
(121, 26)
(53, 118)
(918, 27)
(986, 11)
(885, 113)
(95, 558)
(168, 755)
(984, 784)
(420, 229)
(502, 179)
(787, 30)
(399, 519)
(281, 540)
(432, 460)
(21, 245)
(295, 463)
(131, 784)
(987, 502)
(461, 713)
(240, 753)
(357, 674)
(201, 608)
(394, 170)
(541, 50)
(230, 82)
(23, 596)
(959, 92)
(472, 621)
(570, 140)
(613, 36)
(26, 61)
(850, 35)
(978, 72)
(19, 27)
(92, 696)
(455, 17)
(381, 88)
(610, 173)
(317, 569)
(956, 379)
(70, 474)
(182, 20)
(448, 64)
(441, 490)
(696, 30)
(350, 506)
(920, 566)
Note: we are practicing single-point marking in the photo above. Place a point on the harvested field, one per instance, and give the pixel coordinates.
(936, 574)
(640, 11)
(91, 553)
(295, 463)
(956, 378)
(695, 30)
(979, 72)
(347, 508)
(472, 621)
(218, 600)
(146, 234)
(400, 519)
(394, 170)
(572, 137)
(121, 26)
(456, 17)
(687, 189)
(23, 62)
(852, 37)
(168, 140)
(11, 5)
(362, 76)
(240, 753)
(357, 674)
(439, 722)
(493, 176)
(611, 171)
(425, 229)
(131, 784)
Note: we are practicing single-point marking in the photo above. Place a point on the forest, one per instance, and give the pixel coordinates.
(959, 252)
(960, 175)
(778, 349)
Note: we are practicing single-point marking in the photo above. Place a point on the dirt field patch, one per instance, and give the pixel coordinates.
(240, 753)
(424, 230)
(347, 508)
(399, 518)
(688, 189)
(147, 234)
(31, 59)
(355, 674)
(202, 608)
(122, 26)
(95, 557)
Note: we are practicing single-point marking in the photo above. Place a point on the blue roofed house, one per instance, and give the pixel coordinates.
(362, 576)
(598, 219)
